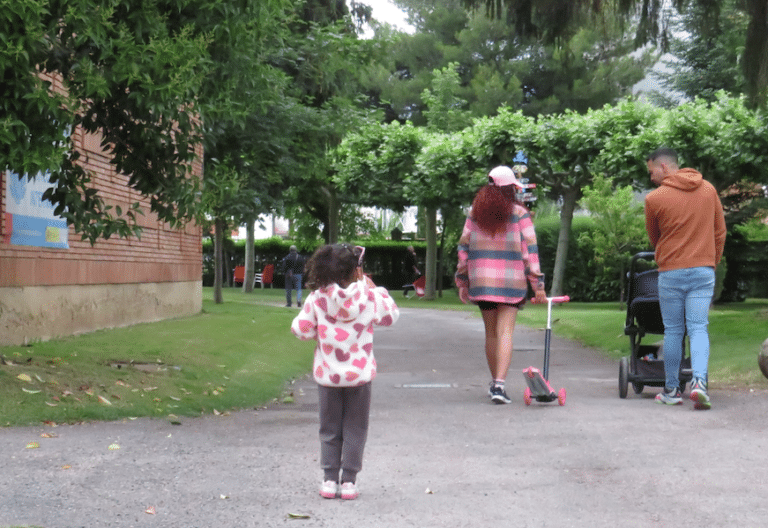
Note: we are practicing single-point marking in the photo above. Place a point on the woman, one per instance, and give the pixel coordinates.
(498, 256)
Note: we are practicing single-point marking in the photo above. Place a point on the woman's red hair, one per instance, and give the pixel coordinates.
(492, 208)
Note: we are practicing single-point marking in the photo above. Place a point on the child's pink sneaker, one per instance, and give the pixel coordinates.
(328, 489)
(349, 491)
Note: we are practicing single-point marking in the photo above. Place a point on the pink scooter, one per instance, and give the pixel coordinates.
(538, 387)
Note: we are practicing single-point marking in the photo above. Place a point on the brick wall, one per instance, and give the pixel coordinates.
(169, 259)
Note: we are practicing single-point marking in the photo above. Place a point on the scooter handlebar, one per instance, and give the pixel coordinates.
(559, 299)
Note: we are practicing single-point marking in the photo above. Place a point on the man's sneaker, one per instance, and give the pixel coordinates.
(498, 395)
(349, 491)
(670, 397)
(328, 489)
(699, 395)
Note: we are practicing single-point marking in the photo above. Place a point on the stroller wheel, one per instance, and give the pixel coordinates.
(638, 387)
(623, 377)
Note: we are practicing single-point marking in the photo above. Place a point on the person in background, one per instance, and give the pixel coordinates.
(498, 258)
(340, 314)
(411, 270)
(293, 269)
(685, 224)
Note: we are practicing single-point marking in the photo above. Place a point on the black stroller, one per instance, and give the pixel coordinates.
(645, 365)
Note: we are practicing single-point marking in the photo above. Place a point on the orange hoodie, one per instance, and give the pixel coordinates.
(685, 223)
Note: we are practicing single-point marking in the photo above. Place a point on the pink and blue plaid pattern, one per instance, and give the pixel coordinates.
(499, 268)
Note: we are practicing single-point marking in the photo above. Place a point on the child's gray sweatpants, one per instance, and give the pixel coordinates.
(343, 430)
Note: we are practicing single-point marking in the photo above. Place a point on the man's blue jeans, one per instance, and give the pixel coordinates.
(293, 282)
(684, 297)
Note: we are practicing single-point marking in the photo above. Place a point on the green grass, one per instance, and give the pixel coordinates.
(736, 332)
(240, 354)
(231, 356)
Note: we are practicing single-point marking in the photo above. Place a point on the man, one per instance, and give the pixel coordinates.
(684, 221)
(293, 268)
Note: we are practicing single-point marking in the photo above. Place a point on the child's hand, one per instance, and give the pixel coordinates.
(540, 298)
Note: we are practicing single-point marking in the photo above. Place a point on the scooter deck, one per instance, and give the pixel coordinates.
(538, 385)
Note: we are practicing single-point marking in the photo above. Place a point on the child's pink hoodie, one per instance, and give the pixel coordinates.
(341, 320)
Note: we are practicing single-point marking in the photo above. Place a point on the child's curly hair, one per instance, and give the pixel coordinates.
(330, 264)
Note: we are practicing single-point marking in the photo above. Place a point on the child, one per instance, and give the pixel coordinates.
(340, 313)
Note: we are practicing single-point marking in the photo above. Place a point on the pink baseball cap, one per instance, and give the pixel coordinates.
(503, 176)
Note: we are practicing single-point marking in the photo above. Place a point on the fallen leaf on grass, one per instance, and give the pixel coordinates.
(105, 401)
(298, 516)
(30, 391)
(24, 377)
(32, 445)
(151, 510)
(51, 404)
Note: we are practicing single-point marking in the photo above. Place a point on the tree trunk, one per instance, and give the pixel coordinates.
(441, 262)
(332, 229)
(561, 257)
(755, 58)
(218, 242)
(430, 264)
(250, 264)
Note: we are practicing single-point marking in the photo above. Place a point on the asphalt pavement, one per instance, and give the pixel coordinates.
(439, 454)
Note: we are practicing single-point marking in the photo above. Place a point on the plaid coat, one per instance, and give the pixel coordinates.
(499, 268)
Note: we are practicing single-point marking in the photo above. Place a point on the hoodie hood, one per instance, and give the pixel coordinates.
(344, 304)
(684, 179)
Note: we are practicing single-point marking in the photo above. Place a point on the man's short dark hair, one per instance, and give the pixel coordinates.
(663, 152)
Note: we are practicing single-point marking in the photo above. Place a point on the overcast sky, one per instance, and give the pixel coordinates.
(386, 11)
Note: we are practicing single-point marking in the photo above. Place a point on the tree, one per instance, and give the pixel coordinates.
(619, 226)
(446, 177)
(130, 74)
(224, 198)
(705, 48)
(556, 19)
(326, 64)
(498, 66)
(139, 76)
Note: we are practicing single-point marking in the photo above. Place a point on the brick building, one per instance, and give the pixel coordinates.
(53, 284)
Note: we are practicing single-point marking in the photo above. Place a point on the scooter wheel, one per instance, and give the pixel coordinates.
(561, 397)
(527, 396)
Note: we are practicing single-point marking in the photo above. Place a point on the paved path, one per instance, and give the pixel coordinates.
(439, 454)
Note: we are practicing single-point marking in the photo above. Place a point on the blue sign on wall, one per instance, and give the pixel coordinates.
(29, 219)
